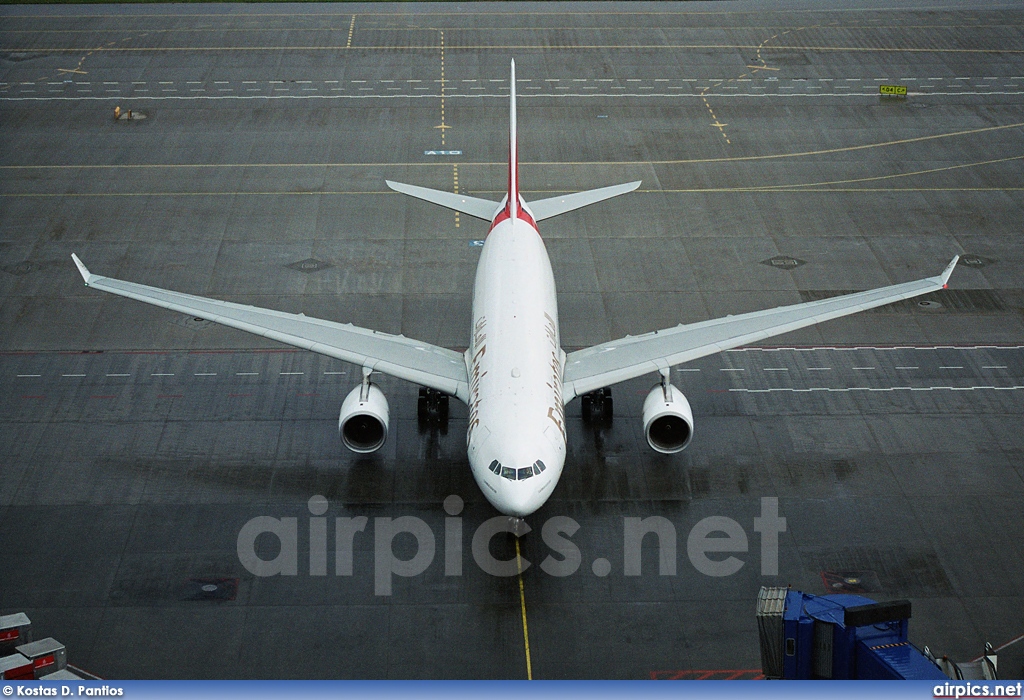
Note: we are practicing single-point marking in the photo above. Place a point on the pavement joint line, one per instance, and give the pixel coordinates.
(729, 159)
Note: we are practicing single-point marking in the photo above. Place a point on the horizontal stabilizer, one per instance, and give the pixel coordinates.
(546, 208)
(473, 206)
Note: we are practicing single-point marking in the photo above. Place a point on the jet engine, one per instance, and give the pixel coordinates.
(668, 421)
(363, 423)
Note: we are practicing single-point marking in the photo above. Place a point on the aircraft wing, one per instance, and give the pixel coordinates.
(634, 356)
(405, 358)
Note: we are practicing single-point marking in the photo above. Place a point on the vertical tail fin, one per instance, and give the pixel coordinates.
(513, 156)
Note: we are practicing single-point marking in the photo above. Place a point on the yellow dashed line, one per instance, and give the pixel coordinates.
(351, 29)
(522, 605)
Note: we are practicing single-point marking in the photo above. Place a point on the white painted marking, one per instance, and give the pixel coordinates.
(162, 374)
(879, 389)
(686, 369)
(247, 374)
(951, 367)
(72, 375)
(119, 375)
(775, 369)
(291, 373)
(206, 374)
(731, 369)
(335, 372)
(994, 367)
(862, 368)
(819, 369)
(908, 368)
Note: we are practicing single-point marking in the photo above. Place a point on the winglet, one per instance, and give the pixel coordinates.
(948, 271)
(82, 268)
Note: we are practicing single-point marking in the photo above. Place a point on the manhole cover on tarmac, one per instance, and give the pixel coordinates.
(928, 304)
(309, 265)
(784, 261)
(22, 268)
(971, 260)
(210, 589)
(194, 323)
(850, 582)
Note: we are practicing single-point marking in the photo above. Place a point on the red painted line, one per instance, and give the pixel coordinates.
(729, 674)
(999, 648)
(235, 352)
(146, 352)
(29, 353)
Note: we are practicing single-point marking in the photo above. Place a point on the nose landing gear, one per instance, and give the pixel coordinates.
(432, 410)
(597, 408)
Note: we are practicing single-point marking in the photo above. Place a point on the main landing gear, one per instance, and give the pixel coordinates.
(597, 408)
(432, 411)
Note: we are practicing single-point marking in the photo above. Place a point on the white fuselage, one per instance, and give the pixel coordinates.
(515, 361)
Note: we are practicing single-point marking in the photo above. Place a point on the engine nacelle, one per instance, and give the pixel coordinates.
(363, 423)
(668, 420)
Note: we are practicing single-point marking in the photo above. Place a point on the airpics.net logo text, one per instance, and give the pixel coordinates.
(713, 545)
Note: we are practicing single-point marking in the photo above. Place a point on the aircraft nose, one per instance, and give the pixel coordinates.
(518, 503)
(520, 507)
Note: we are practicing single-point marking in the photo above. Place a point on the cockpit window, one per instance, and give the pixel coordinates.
(513, 474)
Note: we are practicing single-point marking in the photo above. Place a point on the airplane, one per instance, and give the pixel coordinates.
(514, 377)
